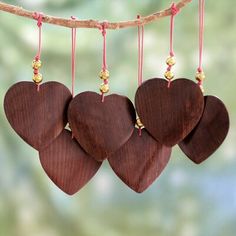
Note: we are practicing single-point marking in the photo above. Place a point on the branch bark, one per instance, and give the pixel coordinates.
(91, 23)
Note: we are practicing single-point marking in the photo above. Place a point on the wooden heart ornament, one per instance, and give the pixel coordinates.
(38, 117)
(67, 164)
(169, 114)
(210, 132)
(101, 127)
(140, 161)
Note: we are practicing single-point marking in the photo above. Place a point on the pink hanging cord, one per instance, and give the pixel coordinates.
(39, 17)
(73, 56)
(103, 27)
(140, 59)
(174, 12)
(140, 52)
(201, 34)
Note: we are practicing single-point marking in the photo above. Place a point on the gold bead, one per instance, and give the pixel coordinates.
(104, 88)
(36, 64)
(169, 75)
(139, 123)
(104, 74)
(170, 61)
(200, 76)
(37, 78)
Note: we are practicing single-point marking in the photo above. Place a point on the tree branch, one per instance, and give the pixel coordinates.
(91, 23)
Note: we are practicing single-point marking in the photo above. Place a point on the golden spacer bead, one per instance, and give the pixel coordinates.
(139, 123)
(104, 88)
(200, 76)
(104, 74)
(37, 78)
(170, 61)
(36, 64)
(169, 75)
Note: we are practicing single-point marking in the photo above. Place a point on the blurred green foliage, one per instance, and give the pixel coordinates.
(187, 200)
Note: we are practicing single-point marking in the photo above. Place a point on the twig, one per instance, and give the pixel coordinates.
(91, 23)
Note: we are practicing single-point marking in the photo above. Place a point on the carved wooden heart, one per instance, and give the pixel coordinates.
(169, 114)
(37, 116)
(140, 161)
(210, 132)
(67, 164)
(101, 127)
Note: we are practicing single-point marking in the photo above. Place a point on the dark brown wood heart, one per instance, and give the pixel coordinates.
(67, 164)
(101, 127)
(38, 117)
(169, 114)
(210, 132)
(140, 161)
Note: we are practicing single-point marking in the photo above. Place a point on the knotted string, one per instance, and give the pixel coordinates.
(39, 17)
(73, 56)
(174, 12)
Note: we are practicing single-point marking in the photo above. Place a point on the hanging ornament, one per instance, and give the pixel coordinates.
(67, 164)
(213, 127)
(141, 159)
(101, 124)
(169, 109)
(64, 161)
(37, 112)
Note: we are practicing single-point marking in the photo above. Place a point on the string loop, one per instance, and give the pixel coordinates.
(171, 60)
(200, 76)
(140, 66)
(73, 56)
(36, 64)
(140, 52)
(104, 74)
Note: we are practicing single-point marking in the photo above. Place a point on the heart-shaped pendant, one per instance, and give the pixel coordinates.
(140, 161)
(210, 132)
(169, 113)
(101, 127)
(38, 117)
(67, 164)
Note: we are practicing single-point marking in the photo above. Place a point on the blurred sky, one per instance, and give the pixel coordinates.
(187, 200)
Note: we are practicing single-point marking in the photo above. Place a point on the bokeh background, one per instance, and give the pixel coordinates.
(187, 200)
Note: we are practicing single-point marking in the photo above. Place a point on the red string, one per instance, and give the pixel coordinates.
(174, 12)
(104, 54)
(140, 52)
(73, 56)
(201, 32)
(39, 17)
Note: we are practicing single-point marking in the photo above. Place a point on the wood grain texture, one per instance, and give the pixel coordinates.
(169, 114)
(67, 164)
(210, 132)
(37, 117)
(101, 128)
(140, 161)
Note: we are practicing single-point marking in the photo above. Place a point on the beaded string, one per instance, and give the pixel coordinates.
(169, 75)
(200, 76)
(37, 64)
(104, 73)
(140, 67)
